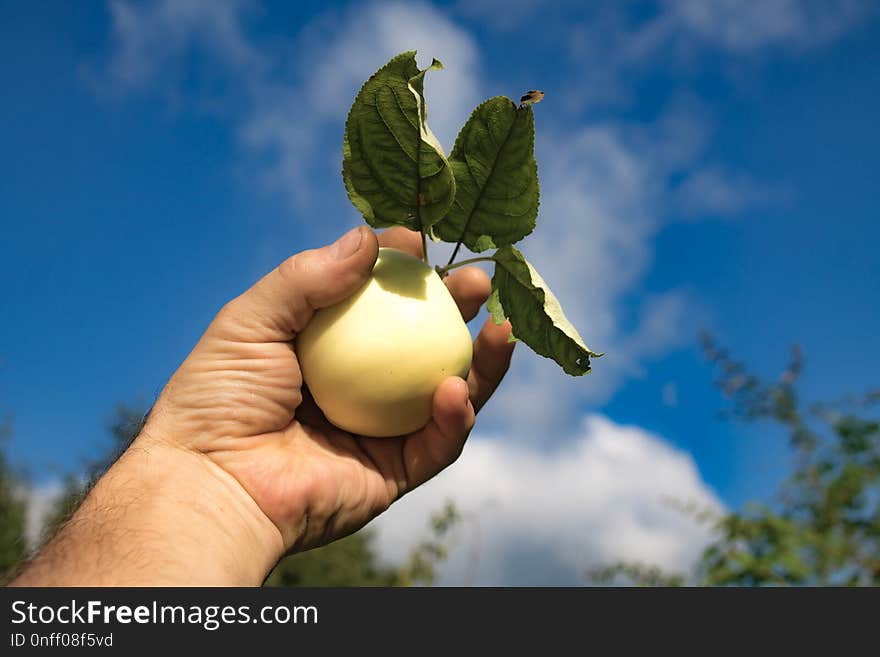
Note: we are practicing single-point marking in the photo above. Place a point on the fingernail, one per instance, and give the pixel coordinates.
(348, 244)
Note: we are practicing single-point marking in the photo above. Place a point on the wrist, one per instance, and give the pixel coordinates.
(210, 525)
(161, 516)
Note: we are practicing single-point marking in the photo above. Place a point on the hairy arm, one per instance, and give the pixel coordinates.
(160, 516)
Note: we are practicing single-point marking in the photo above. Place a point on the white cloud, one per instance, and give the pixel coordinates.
(334, 57)
(370, 34)
(615, 46)
(730, 25)
(148, 39)
(533, 517)
(288, 107)
(712, 191)
(743, 27)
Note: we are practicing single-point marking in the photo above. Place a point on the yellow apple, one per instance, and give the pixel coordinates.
(373, 361)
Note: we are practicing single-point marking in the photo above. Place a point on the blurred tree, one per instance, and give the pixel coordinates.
(635, 573)
(421, 566)
(824, 528)
(13, 508)
(351, 561)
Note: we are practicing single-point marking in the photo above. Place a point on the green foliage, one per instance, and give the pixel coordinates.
(824, 528)
(634, 573)
(353, 561)
(421, 567)
(13, 508)
(393, 167)
(485, 196)
(496, 178)
(521, 295)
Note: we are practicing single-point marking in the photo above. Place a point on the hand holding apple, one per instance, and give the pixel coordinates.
(238, 398)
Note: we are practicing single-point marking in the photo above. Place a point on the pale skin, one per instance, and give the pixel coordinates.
(237, 467)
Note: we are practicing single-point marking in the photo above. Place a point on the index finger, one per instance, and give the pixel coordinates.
(402, 239)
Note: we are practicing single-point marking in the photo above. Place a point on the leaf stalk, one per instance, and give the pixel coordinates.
(442, 271)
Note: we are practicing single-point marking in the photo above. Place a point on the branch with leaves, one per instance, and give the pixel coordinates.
(485, 196)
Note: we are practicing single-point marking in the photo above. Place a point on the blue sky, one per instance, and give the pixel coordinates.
(703, 164)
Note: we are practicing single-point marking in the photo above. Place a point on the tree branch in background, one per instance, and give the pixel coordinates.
(824, 528)
(634, 573)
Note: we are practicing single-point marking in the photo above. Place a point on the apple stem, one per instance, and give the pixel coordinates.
(442, 271)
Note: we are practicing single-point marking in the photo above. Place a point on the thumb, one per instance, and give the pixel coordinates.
(280, 304)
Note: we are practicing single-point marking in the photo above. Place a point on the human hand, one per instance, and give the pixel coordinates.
(238, 403)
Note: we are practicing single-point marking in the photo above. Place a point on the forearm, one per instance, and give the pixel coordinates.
(161, 516)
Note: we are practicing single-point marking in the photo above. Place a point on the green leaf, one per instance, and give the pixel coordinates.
(395, 171)
(496, 178)
(520, 295)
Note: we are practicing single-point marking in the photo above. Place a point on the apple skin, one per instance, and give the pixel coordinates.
(373, 361)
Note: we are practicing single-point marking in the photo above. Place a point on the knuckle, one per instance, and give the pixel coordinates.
(227, 317)
(291, 266)
(229, 310)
